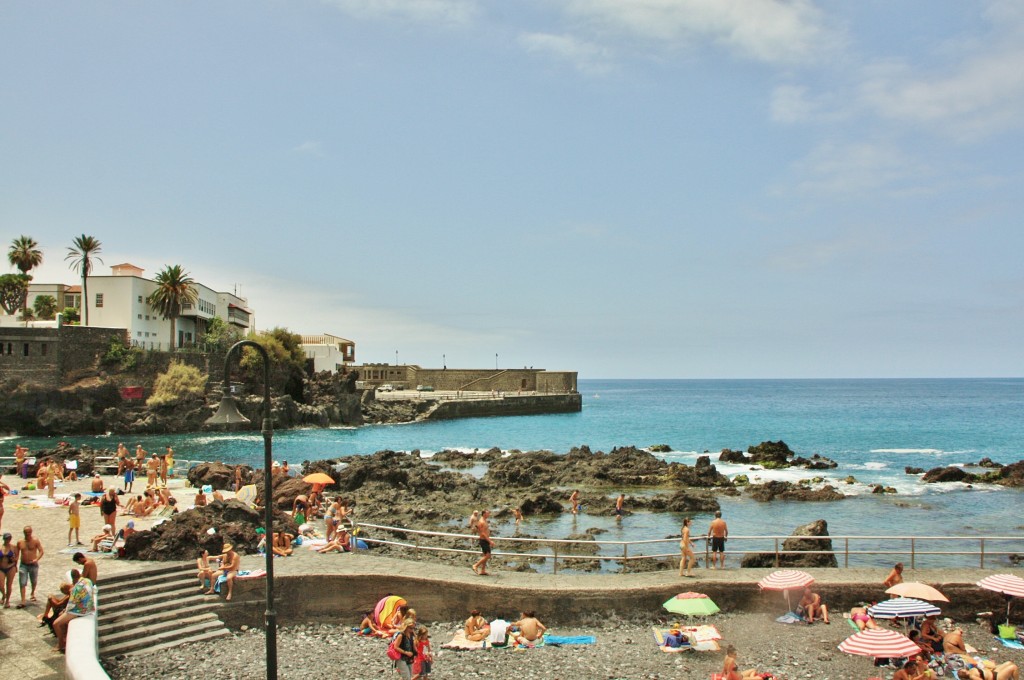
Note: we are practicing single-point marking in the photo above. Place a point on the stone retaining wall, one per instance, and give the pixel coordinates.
(509, 406)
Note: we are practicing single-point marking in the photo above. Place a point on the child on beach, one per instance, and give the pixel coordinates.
(421, 665)
(75, 519)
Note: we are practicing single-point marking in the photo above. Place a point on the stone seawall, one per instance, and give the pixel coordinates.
(344, 597)
(509, 405)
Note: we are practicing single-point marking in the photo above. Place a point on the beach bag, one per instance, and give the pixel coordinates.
(393, 653)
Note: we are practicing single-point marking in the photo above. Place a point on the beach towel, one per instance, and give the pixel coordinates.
(1012, 644)
(568, 640)
(791, 617)
(460, 642)
(251, 573)
(702, 638)
(72, 550)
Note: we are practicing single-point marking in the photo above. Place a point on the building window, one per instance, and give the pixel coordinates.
(99, 299)
(25, 349)
(147, 317)
(140, 333)
(42, 348)
(140, 298)
(140, 317)
(9, 350)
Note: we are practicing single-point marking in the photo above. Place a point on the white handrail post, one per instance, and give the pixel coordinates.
(913, 552)
(554, 558)
(982, 552)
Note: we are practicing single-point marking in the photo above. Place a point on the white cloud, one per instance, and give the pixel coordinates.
(584, 56)
(852, 168)
(765, 30)
(311, 148)
(452, 12)
(982, 95)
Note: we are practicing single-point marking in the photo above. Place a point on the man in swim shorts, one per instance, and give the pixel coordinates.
(483, 529)
(718, 533)
(31, 551)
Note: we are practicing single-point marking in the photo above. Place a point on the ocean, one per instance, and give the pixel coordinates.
(872, 428)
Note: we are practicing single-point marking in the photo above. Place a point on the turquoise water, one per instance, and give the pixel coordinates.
(872, 428)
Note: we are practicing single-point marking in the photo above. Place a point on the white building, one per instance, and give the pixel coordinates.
(328, 352)
(119, 301)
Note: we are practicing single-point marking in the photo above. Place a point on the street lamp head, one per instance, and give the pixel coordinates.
(227, 413)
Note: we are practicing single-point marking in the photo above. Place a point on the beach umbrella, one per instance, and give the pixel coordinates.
(921, 591)
(880, 644)
(247, 494)
(691, 604)
(903, 608)
(786, 580)
(1007, 584)
(318, 478)
(386, 608)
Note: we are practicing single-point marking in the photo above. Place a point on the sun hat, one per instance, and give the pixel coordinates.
(107, 527)
(227, 547)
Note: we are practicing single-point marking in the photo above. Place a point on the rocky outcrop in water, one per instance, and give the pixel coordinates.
(787, 491)
(773, 455)
(948, 474)
(799, 541)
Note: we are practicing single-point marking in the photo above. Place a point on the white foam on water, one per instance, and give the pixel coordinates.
(907, 451)
(227, 438)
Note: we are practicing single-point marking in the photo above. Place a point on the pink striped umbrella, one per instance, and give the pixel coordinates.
(785, 580)
(880, 644)
(1007, 584)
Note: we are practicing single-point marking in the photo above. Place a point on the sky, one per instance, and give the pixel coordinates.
(627, 189)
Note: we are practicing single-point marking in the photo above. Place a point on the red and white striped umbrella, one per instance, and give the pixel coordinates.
(785, 579)
(1007, 584)
(880, 644)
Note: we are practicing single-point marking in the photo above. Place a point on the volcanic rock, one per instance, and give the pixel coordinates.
(815, 462)
(799, 541)
(703, 474)
(730, 456)
(787, 491)
(913, 470)
(770, 454)
(217, 475)
(948, 474)
(183, 535)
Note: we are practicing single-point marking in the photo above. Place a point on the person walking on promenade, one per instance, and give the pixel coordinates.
(152, 470)
(140, 457)
(75, 519)
(122, 456)
(483, 530)
(4, 489)
(129, 474)
(8, 569)
(165, 463)
(718, 534)
(30, 551)
(688, 558)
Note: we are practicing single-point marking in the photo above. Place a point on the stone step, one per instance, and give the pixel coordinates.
(157, 592)
(134, 576)
(113, 595)
(150, 646)
(149, 629)
(110, 625)
(142, 609)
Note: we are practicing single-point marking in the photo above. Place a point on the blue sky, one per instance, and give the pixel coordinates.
(652, 188)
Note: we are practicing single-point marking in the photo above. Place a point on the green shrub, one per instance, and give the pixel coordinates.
(178, 383)
(120, 353)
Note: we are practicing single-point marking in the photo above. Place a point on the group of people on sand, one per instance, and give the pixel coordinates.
(408, 643)
(501, 633)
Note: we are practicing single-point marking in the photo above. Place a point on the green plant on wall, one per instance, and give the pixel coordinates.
(178, 383)
(70, 316)
(125, 356)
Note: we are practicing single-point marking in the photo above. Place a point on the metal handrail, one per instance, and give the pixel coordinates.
(626, 546)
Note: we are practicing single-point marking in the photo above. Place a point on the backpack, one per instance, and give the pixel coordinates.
(393, 653)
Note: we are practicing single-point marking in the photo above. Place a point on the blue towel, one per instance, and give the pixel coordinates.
(569, 639)
(1012, 644)
(220, 579)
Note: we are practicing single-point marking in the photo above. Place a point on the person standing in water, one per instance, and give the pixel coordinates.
(688, 558)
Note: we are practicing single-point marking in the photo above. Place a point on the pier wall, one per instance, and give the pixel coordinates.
(509, 405)
(344, 598)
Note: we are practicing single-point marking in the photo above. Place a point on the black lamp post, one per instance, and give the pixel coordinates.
(226, 414)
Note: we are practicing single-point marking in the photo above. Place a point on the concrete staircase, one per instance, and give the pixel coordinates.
(153, 610)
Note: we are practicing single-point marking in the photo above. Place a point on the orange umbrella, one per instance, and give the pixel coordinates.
(920, 591)
(318, 478)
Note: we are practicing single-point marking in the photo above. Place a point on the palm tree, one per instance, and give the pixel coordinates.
(85, 248)
(24, 254)
(174, 288)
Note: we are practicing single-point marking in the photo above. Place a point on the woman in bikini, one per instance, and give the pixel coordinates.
(688, 559)
(730, 670)
(477, 627)
(859, 615)
(8, 569)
